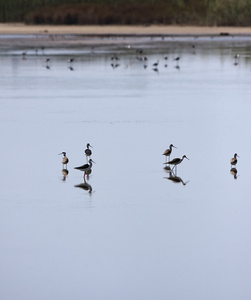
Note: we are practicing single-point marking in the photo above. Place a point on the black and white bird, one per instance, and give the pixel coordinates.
(176, 161)
(86, 167)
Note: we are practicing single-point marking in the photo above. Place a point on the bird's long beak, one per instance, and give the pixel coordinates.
(187, 158)
(175, 147)
(60, 153)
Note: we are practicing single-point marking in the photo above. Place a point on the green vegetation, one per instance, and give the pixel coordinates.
(189, 12)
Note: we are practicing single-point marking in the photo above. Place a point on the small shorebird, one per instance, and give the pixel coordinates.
(156, 64)
(168, 151)
(236, 59)
(86, 167)
(48, 63)
(65, 159)
(233, 161)
(177, 59)
(88, 151)
(114, 57)
(176, 161)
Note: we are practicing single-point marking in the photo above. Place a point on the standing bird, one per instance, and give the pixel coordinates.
(177, 59)
(86, 167)
(65, 159)
(176, 161)
(156, 64)
(233, 161)
(169, 151)
(88, 151)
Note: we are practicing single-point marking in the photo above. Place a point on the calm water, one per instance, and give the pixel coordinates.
(137, 235)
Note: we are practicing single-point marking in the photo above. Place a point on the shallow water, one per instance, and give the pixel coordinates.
(138, 234)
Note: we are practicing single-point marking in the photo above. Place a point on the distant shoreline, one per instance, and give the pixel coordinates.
(22, 29)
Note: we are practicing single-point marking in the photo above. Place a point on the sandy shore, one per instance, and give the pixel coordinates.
(20, 29)
(14, 36)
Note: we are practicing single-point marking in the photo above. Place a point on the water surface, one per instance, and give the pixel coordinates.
(138, 234)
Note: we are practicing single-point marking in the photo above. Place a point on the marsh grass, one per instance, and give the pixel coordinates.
(102, 12)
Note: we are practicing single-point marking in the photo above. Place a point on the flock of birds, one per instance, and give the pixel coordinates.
(176, 161)
(86, 168)
(171, 166)
(140, 56)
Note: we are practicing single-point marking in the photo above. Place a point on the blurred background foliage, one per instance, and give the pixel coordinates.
(126, 12)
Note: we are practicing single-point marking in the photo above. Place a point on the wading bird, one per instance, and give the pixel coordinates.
(168, 151)
(86, 167)
(88, 151)
(156, 64)
(176, 161)
(65, 159)
(233, 161)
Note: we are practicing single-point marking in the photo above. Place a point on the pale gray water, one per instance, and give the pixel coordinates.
(138, 235)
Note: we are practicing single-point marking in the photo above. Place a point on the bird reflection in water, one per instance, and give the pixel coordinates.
(167, 169)
(234, 171)
(85, 186)
(65, 173)
(176, 179)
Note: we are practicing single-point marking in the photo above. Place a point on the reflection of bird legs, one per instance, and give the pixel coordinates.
(174, 170)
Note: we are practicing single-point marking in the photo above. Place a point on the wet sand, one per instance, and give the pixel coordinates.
(17, 28)
(21, 35)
